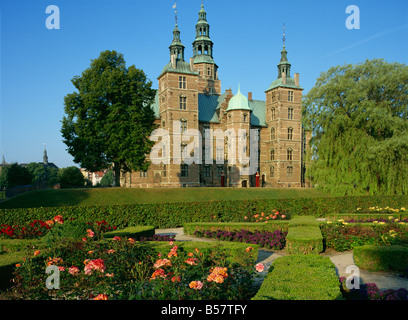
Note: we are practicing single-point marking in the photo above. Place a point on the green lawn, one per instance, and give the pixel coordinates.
(108, 196)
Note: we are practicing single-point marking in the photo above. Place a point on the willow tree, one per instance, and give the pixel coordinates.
(358, 115)
(109, 119)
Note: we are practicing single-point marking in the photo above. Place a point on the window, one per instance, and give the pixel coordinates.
(273, 113)
(182, 82)
(183, 151)
(273, 96)
(220, 169)
(207, 173)
(183, 102)
(245, 117)
(164, 170)
(271, 171)
(272, 154)
(183, 125)
(143, 174)
(209, 71)
(290, 95)
(184, 170)
(219, 155)
(272, 133)
(290, 154)
(289, 171)
(290, 133)
(290, 113)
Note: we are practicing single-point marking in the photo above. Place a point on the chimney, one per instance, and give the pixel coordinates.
(249, 96)
(297, 79)
(283, 77)
(173, 61)
(191, 64)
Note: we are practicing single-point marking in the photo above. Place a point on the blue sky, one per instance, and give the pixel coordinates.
(37, 64)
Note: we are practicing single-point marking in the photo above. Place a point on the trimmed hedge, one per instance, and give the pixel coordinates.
(304, 240)
(300, 277)
(131, 232)
(190, 228)
(170, 215)
(382, 258)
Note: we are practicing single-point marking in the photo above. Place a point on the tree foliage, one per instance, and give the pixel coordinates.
(71, 177)
(43, 173)
(359, 118)
(109, 120)
(14, 175)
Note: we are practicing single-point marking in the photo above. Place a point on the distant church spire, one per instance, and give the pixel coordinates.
(3, 161)
(45, 157)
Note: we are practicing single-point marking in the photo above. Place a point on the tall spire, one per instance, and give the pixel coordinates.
(284, 65)
(202, 45)
(45, 157)
(176, 47)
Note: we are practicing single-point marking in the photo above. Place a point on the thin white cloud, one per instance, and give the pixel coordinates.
(377, 35)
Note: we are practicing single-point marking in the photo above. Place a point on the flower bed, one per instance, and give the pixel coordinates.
(370, 291)
(342, 236)
(125, 269)
(271, 240)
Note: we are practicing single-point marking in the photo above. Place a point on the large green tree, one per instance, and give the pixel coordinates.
(359, 118)
(109, 119)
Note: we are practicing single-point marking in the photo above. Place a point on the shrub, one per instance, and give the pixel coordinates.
(304, 240)
(300, 277)
(382, 258)
(71, 177)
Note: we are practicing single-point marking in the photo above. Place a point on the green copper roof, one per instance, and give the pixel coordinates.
(290, 83)
(181, 67)
(155, 105)
(203, 58)
(238, 102)
(258, 112)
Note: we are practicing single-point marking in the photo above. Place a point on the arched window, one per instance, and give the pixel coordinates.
(290, 133)
(272, 154)
(273, 133)
(290, 154)
(273, 114)
(271, 171)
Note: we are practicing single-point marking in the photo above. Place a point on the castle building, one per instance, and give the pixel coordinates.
(189, 96)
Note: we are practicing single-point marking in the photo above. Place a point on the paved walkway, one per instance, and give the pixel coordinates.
(341, 260)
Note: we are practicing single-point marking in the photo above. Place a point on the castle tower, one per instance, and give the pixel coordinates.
(204, 64)
(178, 111)
(239, 120)
(282, 151)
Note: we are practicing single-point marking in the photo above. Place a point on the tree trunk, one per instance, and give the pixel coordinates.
(116, 169)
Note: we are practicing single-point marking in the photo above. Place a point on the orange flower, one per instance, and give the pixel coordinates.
(101, 297)
(175, 279)
(196, 285)
(37, 252)
(158, 273)
(131, 240)
(191, 261)
(249, 249)
(218, 275)
(18, 265)
(190, 254)
(162, 263)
